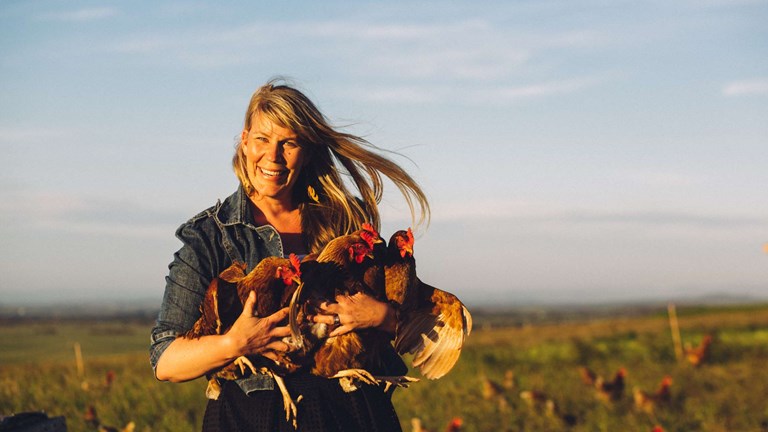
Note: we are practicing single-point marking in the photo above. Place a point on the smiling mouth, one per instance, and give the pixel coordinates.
(271, 174)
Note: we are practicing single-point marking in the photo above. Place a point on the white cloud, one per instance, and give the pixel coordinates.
(758, 86)
(82, 15)
(530, 212)
(661, 178)
(142, 44)
(548, 88)
(400, 94)
(10, 135)
(389, 31)
(74, 213)
(493, 94)
(471, 49)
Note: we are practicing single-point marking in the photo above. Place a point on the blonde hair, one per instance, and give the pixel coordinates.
(330, 209)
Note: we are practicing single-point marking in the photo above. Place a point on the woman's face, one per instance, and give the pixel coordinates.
(274, 159)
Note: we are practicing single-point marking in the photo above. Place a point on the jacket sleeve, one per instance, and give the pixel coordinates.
(189, 274)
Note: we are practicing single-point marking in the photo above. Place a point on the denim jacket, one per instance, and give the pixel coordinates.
(212, 241)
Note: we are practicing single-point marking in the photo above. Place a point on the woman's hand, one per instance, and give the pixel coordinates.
(186, 359)
(259, 335)
(356, 312)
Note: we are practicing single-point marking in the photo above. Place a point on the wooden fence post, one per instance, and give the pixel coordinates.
(675, 329)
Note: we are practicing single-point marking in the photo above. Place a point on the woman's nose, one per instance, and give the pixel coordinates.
(274, 152)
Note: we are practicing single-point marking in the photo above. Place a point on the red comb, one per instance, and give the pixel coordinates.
(296, 263)
(368, 227)
(368, 237)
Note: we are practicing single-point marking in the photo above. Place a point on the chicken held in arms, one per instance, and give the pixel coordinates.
(347, 265)
(273, 280)
(433, 323)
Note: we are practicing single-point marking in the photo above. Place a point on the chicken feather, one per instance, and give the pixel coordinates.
(433, 323)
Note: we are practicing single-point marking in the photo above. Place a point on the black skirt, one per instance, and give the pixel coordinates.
(324, 407)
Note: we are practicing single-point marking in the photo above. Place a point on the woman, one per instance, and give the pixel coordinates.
(291, 199)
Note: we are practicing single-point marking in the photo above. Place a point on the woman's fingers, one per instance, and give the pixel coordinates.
(340, 330)
(280, 332)
(273, 350)
(249, 305)
(329, 307)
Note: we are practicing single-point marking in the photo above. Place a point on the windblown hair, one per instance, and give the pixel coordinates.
(332, 209)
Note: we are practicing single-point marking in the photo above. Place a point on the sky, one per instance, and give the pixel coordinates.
(572, 150)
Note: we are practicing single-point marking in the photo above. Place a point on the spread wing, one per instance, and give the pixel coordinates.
(435, 332)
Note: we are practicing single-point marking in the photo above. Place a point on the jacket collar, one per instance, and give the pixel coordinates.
(235, 209)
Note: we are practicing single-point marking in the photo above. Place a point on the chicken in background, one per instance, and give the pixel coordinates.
(541, 402)
(453, 426)
(588, 376)
(509, 379)
(92, 420)
(613, 390)
(433, 323)
(606, 391)
(109, 379)
(493, 391)
(648, 402)
(699, 354)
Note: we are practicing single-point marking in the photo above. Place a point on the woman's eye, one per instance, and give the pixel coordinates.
(290, 144)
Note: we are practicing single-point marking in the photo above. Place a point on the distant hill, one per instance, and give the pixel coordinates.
(136, 310)
(508, 310)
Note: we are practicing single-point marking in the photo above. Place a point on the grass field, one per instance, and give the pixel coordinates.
(728, 392)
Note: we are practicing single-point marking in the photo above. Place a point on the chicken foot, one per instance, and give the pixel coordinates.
(347, 378)
(396, 381)
(243, 362)
(291, 411)
(213, 390)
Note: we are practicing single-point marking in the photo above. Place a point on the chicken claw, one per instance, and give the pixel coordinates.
(347, 378)
(291, 411)
(213, 390)
(243, 361)
(397, 381)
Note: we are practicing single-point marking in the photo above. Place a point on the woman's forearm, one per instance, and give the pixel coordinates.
(187, 359)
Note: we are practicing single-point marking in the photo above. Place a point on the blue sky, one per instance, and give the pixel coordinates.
(572, 150)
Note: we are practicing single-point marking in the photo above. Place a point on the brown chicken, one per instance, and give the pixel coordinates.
(433, 323)
(93, 421)
(613, 390)
(400, 271)
(539, 400)
(273, 280)
(347, 265)
(648, 402)
(588, 376)
(493, 391)
(699, 354)
(453, 426)
(608, 391)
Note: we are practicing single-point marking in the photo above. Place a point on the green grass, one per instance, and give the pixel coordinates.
(727, 393)
(49, 341)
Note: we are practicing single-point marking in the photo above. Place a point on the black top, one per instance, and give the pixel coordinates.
(324, 407)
